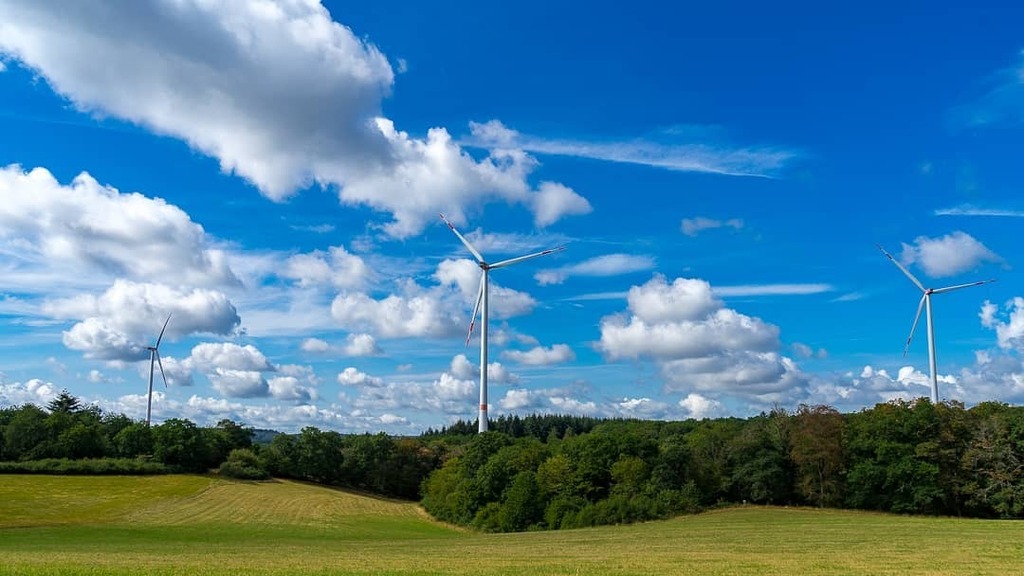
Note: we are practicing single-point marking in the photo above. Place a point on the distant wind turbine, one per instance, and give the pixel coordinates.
(154, 356)
(481, 307)
(926, 303)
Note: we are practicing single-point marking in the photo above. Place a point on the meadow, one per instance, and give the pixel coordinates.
(190, 524)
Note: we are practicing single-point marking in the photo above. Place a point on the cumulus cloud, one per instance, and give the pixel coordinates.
(119, 323)
(462, 369)
(360, 345)
(289, 388)
(336, 268)
(85, 229)
(698, 343)
(239, 383)
(315, 345)
(541, 356)
(1008, 323)
(34, 391)
(948, 255)
(599, 266)
(355, 345)
(553, 201)
(694, 226)
(222, 76)
(699, 407)
(229, 356)
(352, 376)
(395, 316)
(646, 408)
(502, 302)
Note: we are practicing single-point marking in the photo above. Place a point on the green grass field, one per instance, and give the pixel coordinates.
(203, 525)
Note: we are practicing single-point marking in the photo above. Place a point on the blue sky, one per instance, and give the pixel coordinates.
(270, 174)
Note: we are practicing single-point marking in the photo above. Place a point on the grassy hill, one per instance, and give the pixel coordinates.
(208, 526)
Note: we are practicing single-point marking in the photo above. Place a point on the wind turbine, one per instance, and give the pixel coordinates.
(926, 303)
(481, 307)
(154, 356)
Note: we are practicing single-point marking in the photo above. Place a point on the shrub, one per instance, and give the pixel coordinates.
(243, 464)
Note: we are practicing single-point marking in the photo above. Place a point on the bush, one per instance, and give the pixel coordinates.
(87, 467)
(243, 464)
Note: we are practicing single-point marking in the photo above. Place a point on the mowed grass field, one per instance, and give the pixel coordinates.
(205, 525)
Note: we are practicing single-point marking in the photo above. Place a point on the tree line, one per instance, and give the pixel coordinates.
(903, 457)
(560, 471)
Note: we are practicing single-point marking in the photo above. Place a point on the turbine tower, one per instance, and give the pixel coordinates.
(154, 356)
(481, 307)
(926, 303)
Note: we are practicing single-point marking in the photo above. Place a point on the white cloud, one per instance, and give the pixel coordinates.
(694, 155)
(395, 316)
(517, 400)
(698, 344)
(34, 391)
(291, 389)
(360, 345)
(239, 383)
(352, 376)
(229, 356)
(315, 345)
(177, 372)
(355, 345)
(699, 407)
(222, 76)
(553, 201)
(541, 356)
(694, 226)
(58, 234)
(1002, 103)
(119, 323)
(599, 266)
(968, 210)
(336, 268)
(1008, 323)
(949, 255)
(465, 275)
(802, 350)
(640, 408)
(462, 369)
(772, 289)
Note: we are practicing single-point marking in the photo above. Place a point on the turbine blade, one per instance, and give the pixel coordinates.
(902, 269)
(511, 261)
(161, 365)
(959, 286)
(476, 309)
(476, 254)
(161, 336)
(913, 328)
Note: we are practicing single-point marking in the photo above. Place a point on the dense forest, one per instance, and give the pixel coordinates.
(556, 471)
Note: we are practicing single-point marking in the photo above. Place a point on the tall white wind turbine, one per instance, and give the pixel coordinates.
(481, 307)
(154, 356)
(926, 304)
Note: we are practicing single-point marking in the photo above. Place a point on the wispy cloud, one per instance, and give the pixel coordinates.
(599, 266)
(1001, 104)
(598, 296)
(707, 155)
(968, 210)
(772, 289)
(694, 226)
